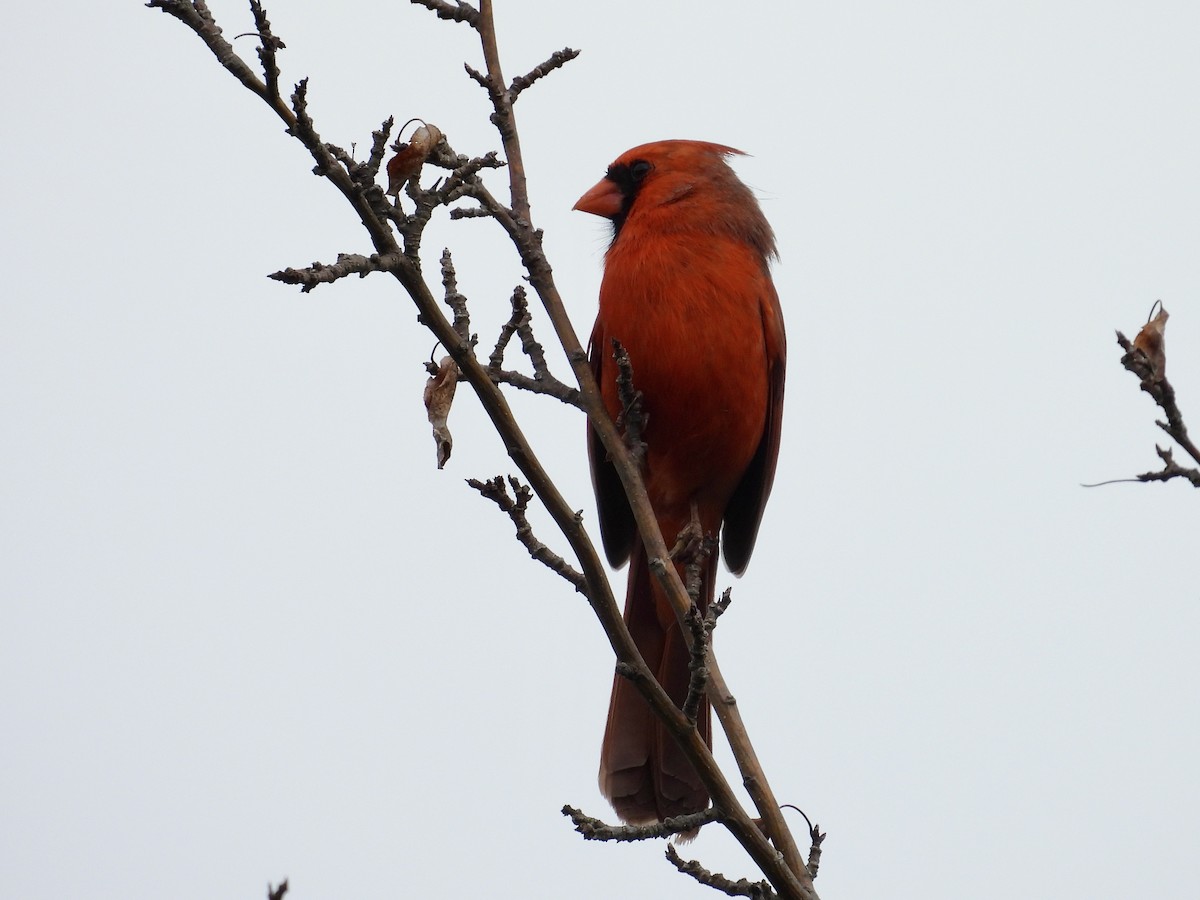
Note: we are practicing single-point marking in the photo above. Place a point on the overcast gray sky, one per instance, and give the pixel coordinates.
(250, 632)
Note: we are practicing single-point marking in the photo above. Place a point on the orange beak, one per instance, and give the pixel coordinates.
(603, 199)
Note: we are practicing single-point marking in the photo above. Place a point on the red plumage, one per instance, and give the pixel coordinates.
(688, 292)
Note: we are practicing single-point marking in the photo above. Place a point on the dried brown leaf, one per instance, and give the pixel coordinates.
(411, 156)
(1152, 341)
(439, 394)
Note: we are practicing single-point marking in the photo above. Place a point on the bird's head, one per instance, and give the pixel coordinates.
(656, 174)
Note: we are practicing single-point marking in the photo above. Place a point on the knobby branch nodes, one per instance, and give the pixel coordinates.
(698, 680)
(632, 418)
(326, 273)
(515, 506)
(815, 835)
(455, 301)
(758, 890)
(595, 830)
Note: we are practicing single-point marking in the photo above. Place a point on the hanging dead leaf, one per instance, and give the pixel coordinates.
(411, 156)
(1151, 340)
(439, 394)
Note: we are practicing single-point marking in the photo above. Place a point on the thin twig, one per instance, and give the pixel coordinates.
(557, 60)
(456, 301)
(520, 313)
(717, 609)
(815, 835)
(542, 382)
(530, 346)
(515, 506)
(758, 890)
(454, 12)
(697, 665)
(633, 413)
(370, 169)
(266, 49)
(1170, 469)
(347, 264)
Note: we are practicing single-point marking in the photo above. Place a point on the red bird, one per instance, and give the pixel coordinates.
(687, 290)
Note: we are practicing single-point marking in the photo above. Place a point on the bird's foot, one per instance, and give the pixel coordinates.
(689, 545)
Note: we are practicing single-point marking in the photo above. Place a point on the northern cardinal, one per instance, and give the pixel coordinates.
(688, 292)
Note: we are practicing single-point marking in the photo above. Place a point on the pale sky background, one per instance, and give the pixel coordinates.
(249, 631)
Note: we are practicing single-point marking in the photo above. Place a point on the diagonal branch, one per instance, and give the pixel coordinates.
(557, 60)
(758, 890)
(196, 16)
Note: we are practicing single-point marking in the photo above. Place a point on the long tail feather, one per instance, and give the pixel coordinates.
(643, 772)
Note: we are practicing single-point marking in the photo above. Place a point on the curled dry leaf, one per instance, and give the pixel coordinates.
(1151, 341)
(410, 157)
(439, 394)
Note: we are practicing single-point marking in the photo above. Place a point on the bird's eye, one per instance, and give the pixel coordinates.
(639, 169)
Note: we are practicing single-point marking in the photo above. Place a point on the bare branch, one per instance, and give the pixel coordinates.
(520, 313)
(1170, 469)
(471, 212)
(480, 79)
(542, 381)
(557, 60)
(529, 344)
(347, 264)
(277, 893)
(696, 664)
(717, 609)
(266, 49)
(633, 417)
(456, 301)
(453, 12)
(596, 830)
(814, 851)
(196, 15)
(815, 835)
(503, 117)
(759, 890)
(556, 389)
(495, 490)
(370, 169)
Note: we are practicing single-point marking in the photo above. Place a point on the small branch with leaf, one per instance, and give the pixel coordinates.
(1146, 358)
